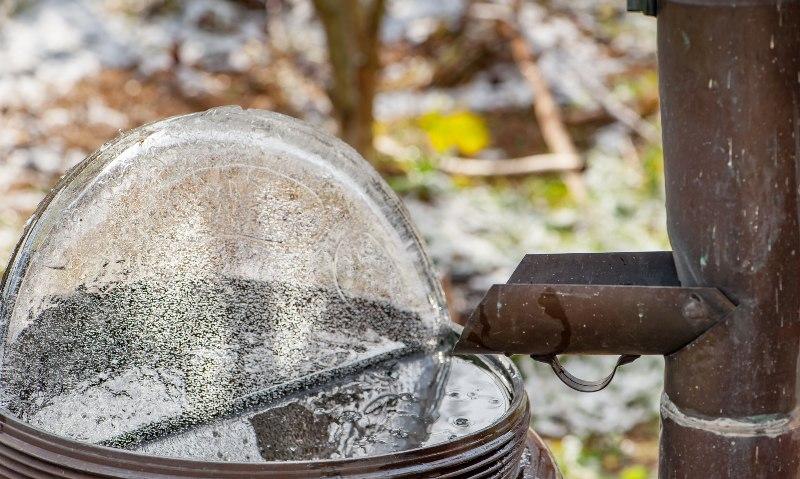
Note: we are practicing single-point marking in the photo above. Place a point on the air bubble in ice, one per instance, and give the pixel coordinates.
(460, 421)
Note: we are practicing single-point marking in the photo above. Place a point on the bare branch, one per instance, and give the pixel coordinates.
(617, 109)
(527, 165)
(546, 109)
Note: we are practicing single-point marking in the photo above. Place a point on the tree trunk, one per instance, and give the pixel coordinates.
(352, 28)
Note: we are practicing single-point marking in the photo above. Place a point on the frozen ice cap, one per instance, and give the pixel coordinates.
(206, 264)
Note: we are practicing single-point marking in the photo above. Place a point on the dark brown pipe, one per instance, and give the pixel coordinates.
(730, 103)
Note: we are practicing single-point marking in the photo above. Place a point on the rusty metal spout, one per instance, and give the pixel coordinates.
(607, 303)
(547, 319)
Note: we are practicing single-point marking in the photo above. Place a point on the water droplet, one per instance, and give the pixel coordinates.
(460, 422)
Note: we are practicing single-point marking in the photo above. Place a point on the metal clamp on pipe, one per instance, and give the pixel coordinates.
(629, 304)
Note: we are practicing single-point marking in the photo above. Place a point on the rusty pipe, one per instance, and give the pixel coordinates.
(549, 319)
(730, 108)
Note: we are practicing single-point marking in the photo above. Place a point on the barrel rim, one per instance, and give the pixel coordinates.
(21, 442)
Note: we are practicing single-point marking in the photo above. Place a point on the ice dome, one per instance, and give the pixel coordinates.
(203, 265)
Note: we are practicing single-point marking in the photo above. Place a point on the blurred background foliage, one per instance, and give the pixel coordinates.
(508, 127)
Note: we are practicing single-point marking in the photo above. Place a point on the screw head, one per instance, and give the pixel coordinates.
(695, 309)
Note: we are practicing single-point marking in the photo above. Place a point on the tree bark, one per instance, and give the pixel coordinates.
(352, 29)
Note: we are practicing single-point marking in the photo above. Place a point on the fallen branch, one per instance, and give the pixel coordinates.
(617, 109)
(526, 165)
(545, 107)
